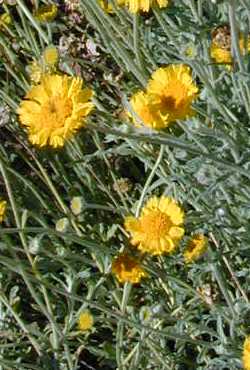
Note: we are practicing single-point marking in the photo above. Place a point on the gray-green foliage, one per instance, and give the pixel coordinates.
(181, 317)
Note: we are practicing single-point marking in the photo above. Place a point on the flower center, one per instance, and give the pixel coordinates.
(156, 224)
(173, 98)
(56, 111)
(168, 102)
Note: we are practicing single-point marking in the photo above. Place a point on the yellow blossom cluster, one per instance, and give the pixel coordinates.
(168, 97)
(157, 230)
(57, 106)
(54, 109)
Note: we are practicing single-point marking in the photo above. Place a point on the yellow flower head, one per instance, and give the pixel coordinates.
(85, 321)
(246, 354)
(46, 13)
(55, 109)
(144, 111)
(142, 5)
(127, 269)
(172, 91)
(3, 205)
(196, 247)
(5, 20)
(159, 227)
(51, 56)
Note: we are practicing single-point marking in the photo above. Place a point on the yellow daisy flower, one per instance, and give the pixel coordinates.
(168, 97)
(127, 269)
(196, 247)
(85, 321)
(55, 109)
(172, 91)
(246, 354)
(46, 13)
(3, 205)
(159, 227)
(143, 5)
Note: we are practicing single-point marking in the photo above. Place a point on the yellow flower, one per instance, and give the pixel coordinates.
(46, 13)
(55, 109)
(5, 20)
(127, 269)
(85, 321)
(222, 55)
(159, 227)
(196, 247)
(3, 205)
(143, 5)
(172, 91)
(246, 354)
(168, 97)
(50, 56)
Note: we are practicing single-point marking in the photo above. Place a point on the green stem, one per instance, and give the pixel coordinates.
(235, 34)
(149, 179)
(20, 322)
(15, 212)
(136, 33)
(172, 142)
(47, 312)
(223, 286)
